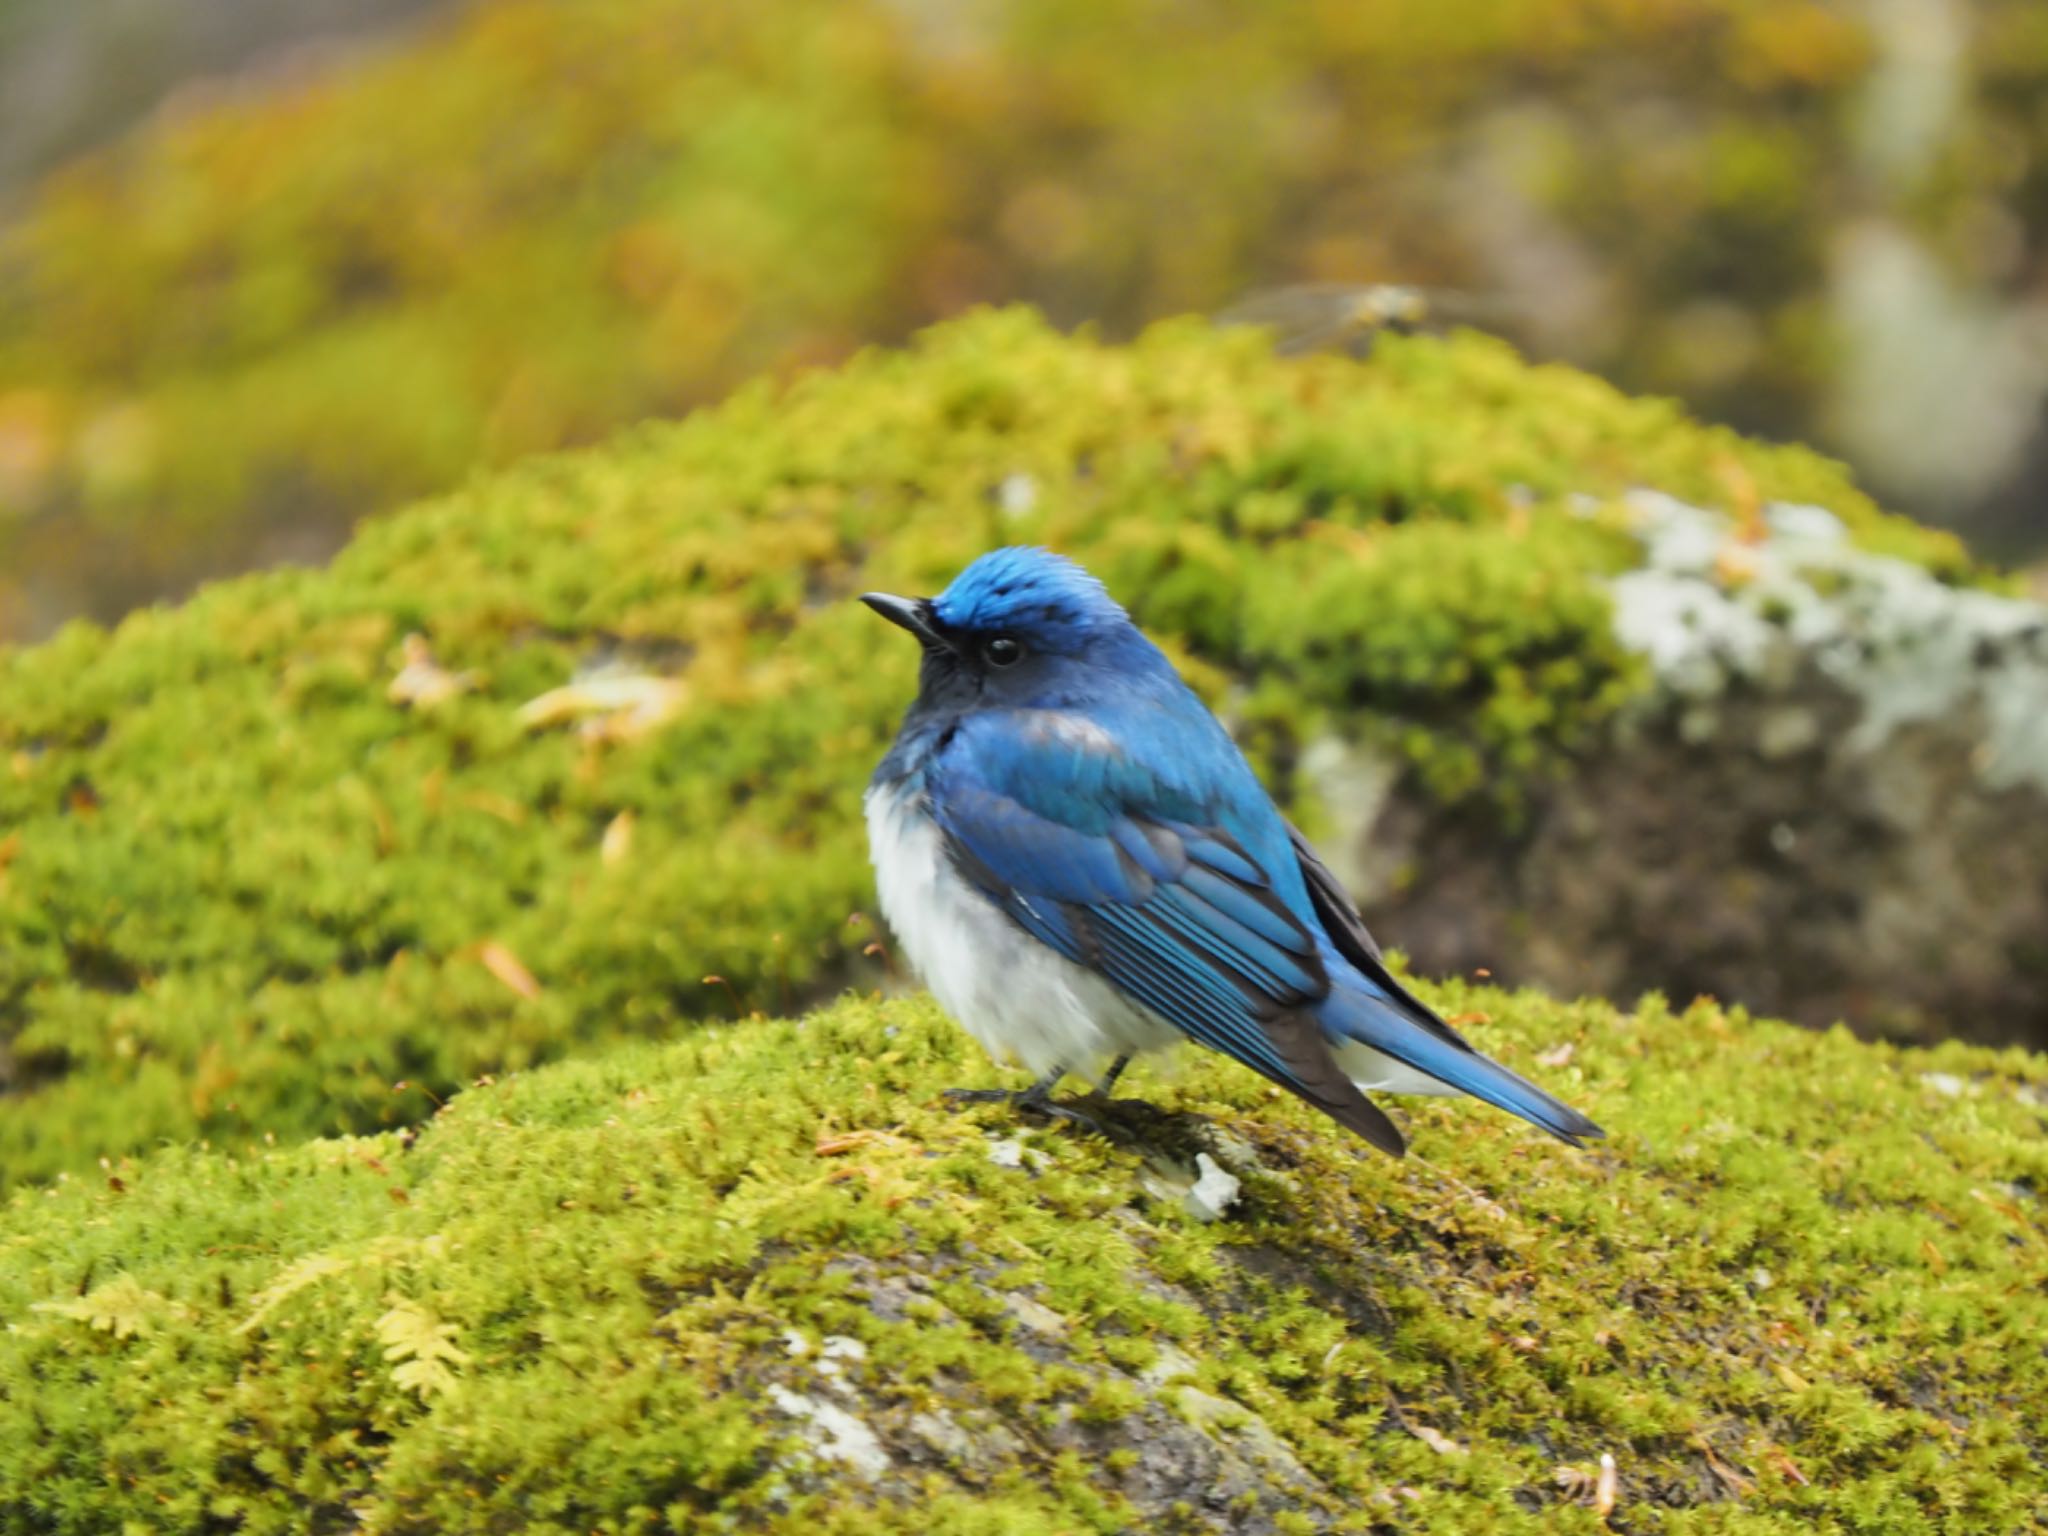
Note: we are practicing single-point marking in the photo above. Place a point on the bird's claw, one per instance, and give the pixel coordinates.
(1073, 1114)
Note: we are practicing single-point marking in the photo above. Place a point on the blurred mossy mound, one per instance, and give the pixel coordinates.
(323, 293)
(765, 1279)
(267, 864)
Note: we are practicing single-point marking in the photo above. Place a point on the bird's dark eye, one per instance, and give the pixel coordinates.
(1001, 651)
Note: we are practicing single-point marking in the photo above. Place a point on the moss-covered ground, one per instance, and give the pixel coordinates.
(247, 890)
(765, 1278)
(346, 283)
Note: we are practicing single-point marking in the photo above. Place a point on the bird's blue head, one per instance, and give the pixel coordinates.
(1016, 624)
(1032, 593)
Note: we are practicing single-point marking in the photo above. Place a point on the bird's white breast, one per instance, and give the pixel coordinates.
(1022, 1000)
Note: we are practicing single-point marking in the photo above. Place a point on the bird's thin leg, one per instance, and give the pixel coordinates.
(1107, 1086)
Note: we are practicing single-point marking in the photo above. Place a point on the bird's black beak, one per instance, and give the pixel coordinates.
(911, 613)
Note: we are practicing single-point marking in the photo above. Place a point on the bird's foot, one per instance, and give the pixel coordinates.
(1092, 1112)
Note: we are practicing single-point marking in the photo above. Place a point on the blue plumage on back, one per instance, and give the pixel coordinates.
(1082, 865)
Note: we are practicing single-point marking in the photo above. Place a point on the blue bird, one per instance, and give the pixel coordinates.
(1082, 866)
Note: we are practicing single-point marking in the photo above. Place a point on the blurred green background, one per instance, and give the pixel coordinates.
(266, 267)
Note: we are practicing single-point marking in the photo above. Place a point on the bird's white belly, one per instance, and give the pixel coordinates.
(1022, 1000)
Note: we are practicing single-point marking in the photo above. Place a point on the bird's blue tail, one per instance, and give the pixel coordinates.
(1411, 1034)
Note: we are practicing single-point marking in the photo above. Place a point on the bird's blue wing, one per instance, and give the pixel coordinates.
(1134, 872)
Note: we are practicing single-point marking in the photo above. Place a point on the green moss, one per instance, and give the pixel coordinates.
(1802, 1288)
(246, 891)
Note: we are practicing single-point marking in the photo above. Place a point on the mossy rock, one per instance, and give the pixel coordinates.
(767, 1278)
(1831, 803)
(244, 889)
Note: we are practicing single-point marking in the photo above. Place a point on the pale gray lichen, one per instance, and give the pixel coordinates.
(834, 1434)
(1034, 1315)
(1710, 608)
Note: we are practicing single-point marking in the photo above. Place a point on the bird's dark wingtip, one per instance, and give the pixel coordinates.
(1313, 1075)
(1358, 1114)
(1577, 1131)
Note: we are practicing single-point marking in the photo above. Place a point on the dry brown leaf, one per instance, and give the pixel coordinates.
(421, 682)
(613, 706)
(1745, 502)
(507, 810)
(1436, 1440)
(618, 839)
(1731, 1479)
(1736, 565)
(1788, 1466)
(2004, 1208)
(833, 1146)
(504, 965)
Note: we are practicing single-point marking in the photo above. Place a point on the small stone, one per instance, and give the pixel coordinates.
(1947, 1084)
(1214, 1192)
